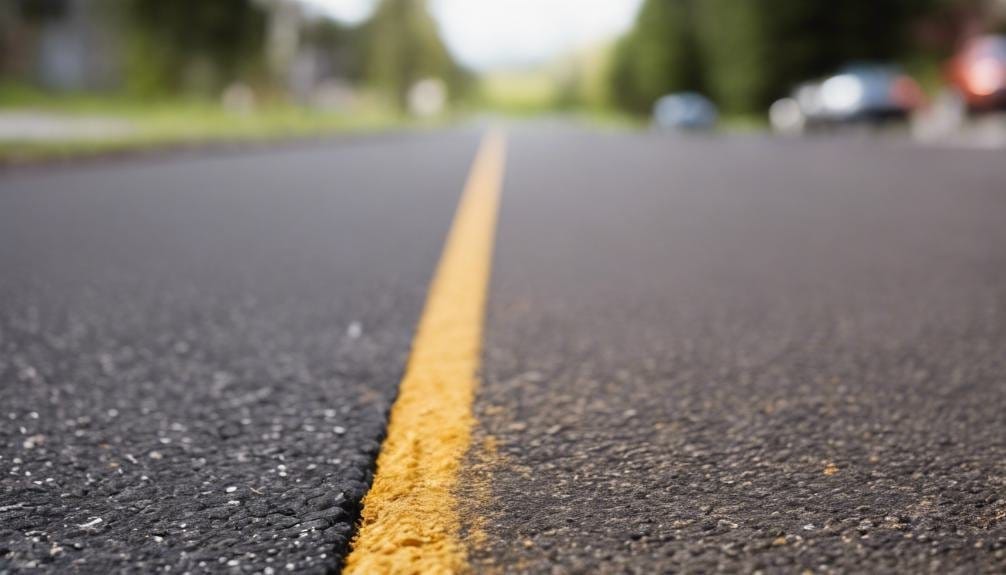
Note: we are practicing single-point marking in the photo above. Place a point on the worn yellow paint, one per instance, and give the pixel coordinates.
(410, 521)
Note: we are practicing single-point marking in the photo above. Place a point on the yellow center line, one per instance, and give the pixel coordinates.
(410, 521)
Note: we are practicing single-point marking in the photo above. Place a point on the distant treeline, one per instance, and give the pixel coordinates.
(178, 47)
(192, 45)
(397, 46)
(745, 53)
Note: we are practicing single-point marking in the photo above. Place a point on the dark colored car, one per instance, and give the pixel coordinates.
(864, 93)
(978, 73)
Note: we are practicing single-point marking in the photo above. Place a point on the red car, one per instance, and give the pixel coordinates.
(978, 72)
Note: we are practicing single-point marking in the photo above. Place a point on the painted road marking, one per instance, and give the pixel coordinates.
(410, 520)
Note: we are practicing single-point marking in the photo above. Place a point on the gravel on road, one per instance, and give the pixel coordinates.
(744, 355)
(197, 356)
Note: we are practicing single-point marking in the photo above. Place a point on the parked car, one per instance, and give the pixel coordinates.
(977, 73)
(863, 93)
(684, 111)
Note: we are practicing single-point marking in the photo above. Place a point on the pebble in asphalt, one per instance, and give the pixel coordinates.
(745, 355)
(197, 355)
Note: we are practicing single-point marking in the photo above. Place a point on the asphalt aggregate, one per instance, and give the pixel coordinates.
(704, 353)
(197, 355)
(744, 354)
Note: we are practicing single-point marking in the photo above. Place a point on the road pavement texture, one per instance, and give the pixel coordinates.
(743, 355)
(702, 354)
(197, 356)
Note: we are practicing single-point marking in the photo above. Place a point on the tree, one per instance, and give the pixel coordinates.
(660, 55)
(192, 45)
(341, 45)
(745, 53)
(736, 44)
(404, 46)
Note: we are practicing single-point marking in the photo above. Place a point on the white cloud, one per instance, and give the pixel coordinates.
(492, 33)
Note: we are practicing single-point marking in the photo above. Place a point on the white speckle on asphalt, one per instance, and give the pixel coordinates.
(90, 523)
(339, 430)
(231, 489)
(355, 330)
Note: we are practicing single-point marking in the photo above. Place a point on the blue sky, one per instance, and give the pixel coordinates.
(486, 34)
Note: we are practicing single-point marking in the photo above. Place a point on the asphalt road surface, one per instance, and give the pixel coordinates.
(746, 355)
(197, 356)
(702, 354)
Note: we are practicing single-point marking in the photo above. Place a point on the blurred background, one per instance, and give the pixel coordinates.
(80, 75)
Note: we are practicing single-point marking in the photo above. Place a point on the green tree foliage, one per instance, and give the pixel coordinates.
(659, 56)
(340, 42)
(745, 53)
(36, 10)
(736, 50)
(192, 45)
(404, 46)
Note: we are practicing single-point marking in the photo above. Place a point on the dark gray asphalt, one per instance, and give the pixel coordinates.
(197, 355)
(713, 355)
(703, 355)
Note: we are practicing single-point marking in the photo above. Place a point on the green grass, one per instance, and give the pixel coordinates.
(166, 123)
(612, 119)
(518, 94)
(741, 123)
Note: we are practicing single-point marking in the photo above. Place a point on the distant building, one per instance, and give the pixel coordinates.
(60, 44)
